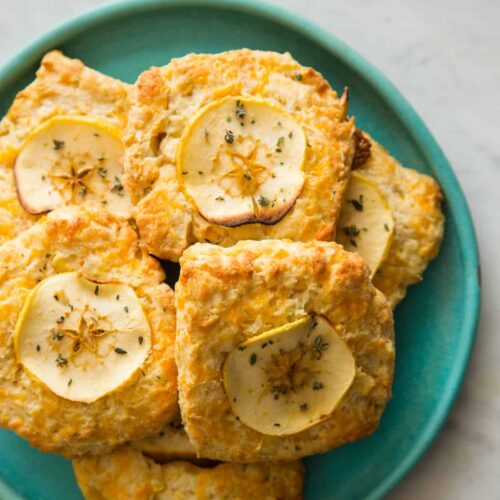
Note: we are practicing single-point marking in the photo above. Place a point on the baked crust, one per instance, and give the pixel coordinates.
(163, 101)
(226, 295)
(126, 474)
(102, 248)
(415, 201)
(62, 86)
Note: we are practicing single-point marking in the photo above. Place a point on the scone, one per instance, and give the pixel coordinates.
(392, 216)
(60, 144)
(284, 349)
(86, 334)
(232, 146)
(126, 474)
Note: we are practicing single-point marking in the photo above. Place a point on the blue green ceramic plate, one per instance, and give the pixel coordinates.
(435, 324)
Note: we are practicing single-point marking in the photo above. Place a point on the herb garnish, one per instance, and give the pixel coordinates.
(351, 232)
(96, 290)
(252, 359)
(280, 389)
(102, 171)
(58, 144)
(219, 198)
(118, 187)
(229, 137)
(57, 335)
(61, 360)
(240, 110)
(357, 204)
(119, 350)
(304, 407)
(263, 201)
(317, 386)
(319, 347)
(140, 339)
(298, 77)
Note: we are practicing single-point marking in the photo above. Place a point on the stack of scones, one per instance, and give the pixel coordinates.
(296, 235)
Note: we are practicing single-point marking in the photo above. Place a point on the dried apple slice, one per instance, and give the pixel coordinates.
(70, 159)
(171, 443)
(240, 161)
(289, 378)
(365, 224)
(82, 339)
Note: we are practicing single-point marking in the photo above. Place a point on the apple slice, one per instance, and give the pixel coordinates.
(365, 224)
(70, 159)
(240, 161)
(289, 378)
(81, 339)
(171, 443)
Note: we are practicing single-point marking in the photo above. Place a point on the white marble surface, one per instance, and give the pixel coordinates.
(444, 56)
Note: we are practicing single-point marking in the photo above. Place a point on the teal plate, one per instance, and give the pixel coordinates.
(435, 324)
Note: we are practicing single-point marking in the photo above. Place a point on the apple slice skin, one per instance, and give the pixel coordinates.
(290, 378)
(68, 160)
(240, 161)
(81, 339)
(366, 225)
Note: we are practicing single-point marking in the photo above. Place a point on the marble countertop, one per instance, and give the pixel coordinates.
(444, 57)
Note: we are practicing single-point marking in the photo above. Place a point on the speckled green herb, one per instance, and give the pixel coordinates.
(229, 137)
(58, 144)
(61, 360)
(263, 201)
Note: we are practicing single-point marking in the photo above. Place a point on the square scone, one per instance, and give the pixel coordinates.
(126, 473)
(233, 146)
(87, 331)
(391, 216)
(61, 144)
(284, 349)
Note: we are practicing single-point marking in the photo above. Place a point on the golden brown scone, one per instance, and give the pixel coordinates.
(228, 295)
(165, 99)
(104, 249)
(63, 86)
(415, 202)
(126, 474)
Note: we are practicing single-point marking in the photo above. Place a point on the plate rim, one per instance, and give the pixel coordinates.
(416, 128)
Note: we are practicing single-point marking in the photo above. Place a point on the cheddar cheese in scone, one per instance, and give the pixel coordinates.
(61, 144)
(232, 146)
(126, 474)
(284, 349)
(392, 216)
(86, 334)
